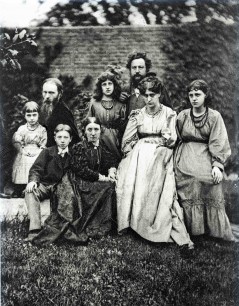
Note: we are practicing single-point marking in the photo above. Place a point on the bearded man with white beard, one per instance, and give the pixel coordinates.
(54, 111)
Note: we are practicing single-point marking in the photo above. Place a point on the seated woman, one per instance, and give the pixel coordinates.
(146, 192)
(111, 113)
(83, 202)
(199, 165)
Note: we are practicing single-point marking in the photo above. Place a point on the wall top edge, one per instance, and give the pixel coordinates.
(163, 26)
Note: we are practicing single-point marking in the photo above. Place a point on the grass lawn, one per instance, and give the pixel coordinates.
(116, 270)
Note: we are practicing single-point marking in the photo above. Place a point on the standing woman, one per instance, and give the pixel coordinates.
(200, 158)
(146, 189)
(109, 111)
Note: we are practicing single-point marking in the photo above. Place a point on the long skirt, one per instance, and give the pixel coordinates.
(202, 200)
(80, 209)
(146, 195)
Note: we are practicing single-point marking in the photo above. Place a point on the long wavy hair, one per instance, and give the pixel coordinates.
(107, 75)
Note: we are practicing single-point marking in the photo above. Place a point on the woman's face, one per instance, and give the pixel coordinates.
(151, 99)
(92, 132)
(107, 88)
(197, 98)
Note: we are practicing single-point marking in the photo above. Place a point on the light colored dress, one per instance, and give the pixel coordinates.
(112, 123)
(31, 141)
(146, 191)
(199, 150)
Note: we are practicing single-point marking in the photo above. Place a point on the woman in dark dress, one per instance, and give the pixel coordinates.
(83, 202)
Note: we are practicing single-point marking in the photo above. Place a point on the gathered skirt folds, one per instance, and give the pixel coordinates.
(146, 195)
(202, 200)
(80, 209)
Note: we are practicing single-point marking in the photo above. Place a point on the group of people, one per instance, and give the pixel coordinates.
(138, 165)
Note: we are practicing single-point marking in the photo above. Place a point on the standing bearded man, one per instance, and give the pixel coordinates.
(139, 65)
(54, 111)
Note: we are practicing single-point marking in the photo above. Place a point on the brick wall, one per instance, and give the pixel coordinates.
(88, 50)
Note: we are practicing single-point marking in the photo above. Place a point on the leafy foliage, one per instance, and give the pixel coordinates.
(123, 12)
(208, 52)
(116, 270)
(13, 48)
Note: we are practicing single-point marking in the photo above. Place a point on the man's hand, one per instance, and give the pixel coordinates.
(31, 186)
(124, 96)
(216, 175)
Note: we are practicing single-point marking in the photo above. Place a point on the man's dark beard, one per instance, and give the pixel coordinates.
(46, 111)
(135, 79)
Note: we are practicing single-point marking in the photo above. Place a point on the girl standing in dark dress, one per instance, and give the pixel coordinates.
(111, 113)
(83, 202)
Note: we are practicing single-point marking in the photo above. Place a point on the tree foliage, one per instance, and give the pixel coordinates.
(14, 47)
(140, 12)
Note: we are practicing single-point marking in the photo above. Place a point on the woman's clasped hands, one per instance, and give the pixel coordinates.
(111, 176)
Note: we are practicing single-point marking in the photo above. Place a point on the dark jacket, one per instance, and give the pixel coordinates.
(49, 168)
(134, 102)
(61, 114)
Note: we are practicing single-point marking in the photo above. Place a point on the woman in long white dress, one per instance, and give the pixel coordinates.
(146, 192)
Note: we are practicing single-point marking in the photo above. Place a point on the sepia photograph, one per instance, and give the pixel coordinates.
(119, 169)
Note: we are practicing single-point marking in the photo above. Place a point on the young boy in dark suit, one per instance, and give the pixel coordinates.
(46, 171)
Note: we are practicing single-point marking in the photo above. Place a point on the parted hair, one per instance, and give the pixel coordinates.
(63, 127)
(150, 82)
(107, 75)
(89, 120)
(202, 85)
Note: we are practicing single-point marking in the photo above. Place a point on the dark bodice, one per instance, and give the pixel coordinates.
(88, 161)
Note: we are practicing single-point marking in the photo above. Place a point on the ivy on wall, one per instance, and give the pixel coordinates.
(209, 52)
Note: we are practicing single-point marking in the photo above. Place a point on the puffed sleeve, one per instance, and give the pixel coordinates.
(91, 112)
(43, 138)
(131, 137)
(171, 125)
(179, 124)
(18, 136)
(219, 146)
(79, 164)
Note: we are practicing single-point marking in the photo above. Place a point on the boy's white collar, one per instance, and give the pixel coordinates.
(63, 151)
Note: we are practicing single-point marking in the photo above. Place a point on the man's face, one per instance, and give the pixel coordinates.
(138, 70)
(50, 93)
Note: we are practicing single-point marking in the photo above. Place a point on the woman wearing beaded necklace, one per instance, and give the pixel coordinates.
(108, 110)
(146, 191)
(28, 140)
(199, 164)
